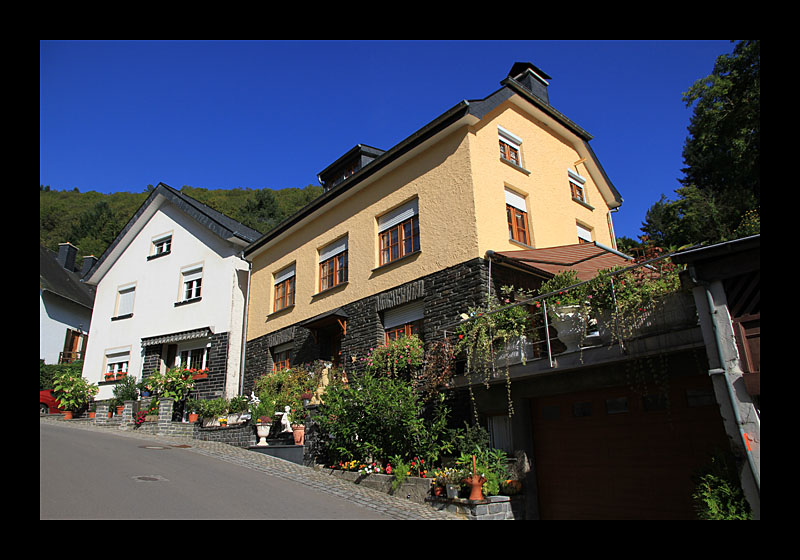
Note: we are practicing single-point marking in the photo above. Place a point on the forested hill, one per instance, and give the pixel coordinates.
(92, 220)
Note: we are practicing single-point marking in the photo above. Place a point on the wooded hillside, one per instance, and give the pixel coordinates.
(92, 220)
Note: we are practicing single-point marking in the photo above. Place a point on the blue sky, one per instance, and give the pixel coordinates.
(119, 115)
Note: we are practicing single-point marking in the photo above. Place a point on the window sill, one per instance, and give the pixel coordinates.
(188, 301)
(158, 255)
(582, 203)
(404, 258)
(119, 317)
(515, 166)
(280, 311)
(327, 291)
(520, 244)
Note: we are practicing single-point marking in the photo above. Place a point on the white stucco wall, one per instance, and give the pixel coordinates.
(159, 286)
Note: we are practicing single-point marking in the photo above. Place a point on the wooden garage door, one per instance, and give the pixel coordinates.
(612, 454)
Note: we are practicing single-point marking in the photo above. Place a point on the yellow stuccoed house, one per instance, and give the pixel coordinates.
(404, 240)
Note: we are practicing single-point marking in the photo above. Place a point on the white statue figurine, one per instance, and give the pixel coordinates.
(285, 425)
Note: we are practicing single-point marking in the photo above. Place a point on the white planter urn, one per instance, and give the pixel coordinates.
(262, 429)
(568, 323)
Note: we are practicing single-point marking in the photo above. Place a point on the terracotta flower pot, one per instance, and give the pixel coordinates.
(193, 416)
(67, 415)
(299, 433)
(92, 414)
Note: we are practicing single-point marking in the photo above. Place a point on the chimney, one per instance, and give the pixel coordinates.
(88, 262)
(66, 255)
(531, 78)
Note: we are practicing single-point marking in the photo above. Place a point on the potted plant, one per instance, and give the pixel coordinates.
(236, 407)
(144, 388)
(125, 390)
(213, 410)
(567, 307)
(487, 333)
(635, 301)
(92, 409)
(72, 391)
(192, 409)
(297, 419)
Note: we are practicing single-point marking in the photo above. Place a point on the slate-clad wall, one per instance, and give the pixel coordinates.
(447, 294)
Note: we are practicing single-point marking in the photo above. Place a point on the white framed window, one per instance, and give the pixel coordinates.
(162, 245)
(125, 299)
(576, 183)
(510, 146)
(117, 363)
(584, 234)
(193, 358)
(192, 279)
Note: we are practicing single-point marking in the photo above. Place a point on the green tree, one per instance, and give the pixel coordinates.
(721, 187)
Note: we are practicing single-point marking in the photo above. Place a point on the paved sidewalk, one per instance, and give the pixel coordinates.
(397, 508)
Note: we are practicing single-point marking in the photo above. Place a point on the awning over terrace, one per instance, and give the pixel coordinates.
(584, 258)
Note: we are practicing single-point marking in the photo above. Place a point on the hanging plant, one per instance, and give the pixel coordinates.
(487, 332)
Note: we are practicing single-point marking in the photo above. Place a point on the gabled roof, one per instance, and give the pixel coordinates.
(587, 259)
(218, 223)
(58, 280)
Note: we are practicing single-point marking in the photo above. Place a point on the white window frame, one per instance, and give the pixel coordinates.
(191, 282)
(580, 182)
(162, 245)
(514, 141)
(117, 361)
(189, 363)
(584, 233)
(126, 297)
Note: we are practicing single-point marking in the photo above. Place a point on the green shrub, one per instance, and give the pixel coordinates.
(717, 492)
(377, 418)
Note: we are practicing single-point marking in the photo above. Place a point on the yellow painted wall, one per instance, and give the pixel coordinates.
(552, 214)
(460, 182)
(439, 177)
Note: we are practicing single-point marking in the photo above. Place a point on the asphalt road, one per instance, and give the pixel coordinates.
(94, 475)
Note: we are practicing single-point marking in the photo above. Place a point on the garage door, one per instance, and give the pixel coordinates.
(614, 454)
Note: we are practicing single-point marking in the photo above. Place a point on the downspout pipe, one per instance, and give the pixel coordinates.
(244, 325)
(731, 397)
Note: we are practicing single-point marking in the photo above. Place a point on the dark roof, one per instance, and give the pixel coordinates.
(58, 280)
(477, 108)
(587, 259)
(217, 222)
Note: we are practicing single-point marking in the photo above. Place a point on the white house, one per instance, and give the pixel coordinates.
(65, 305)
(171, 289)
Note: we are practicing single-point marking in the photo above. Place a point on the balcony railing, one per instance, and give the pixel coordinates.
(563, 337)
(69, 357)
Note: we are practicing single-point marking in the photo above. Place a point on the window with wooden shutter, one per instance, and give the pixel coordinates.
(398, 232)
(517, 217)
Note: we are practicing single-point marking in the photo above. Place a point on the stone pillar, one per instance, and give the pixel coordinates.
(127, 415)
(164, 414)
(102, 414)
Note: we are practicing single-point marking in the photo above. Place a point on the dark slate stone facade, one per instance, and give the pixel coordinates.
(217, 363)
(446, 293)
